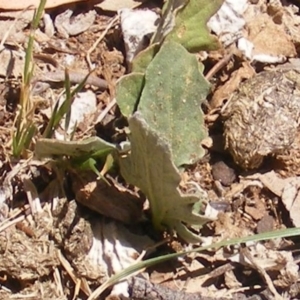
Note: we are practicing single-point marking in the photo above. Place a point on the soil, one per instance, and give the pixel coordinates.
(61, 231)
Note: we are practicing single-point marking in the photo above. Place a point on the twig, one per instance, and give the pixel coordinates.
(69, 269)
(105, 111)
(218, 66)
(262, 272)
(32, 195)
(11, 223)
(58, 282)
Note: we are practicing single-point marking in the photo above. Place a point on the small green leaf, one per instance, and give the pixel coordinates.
(144, 58)
(93, 146)
(83, 155)
(128, 92)
(149, 166)
(190, 29)
(89, 163)
(167, 20)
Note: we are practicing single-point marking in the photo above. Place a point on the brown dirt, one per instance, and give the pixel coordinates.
(43, 250)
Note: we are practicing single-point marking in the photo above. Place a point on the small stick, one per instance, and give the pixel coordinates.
(218, 66)
(105, 111)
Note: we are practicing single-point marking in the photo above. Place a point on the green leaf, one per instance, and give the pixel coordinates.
(167, 20)
(92, 147)
(171, 101)
(169, 95)
(83, 155)
(22, 138)
(149, 166)
(144, 58)
(128, 92)
(190, 29)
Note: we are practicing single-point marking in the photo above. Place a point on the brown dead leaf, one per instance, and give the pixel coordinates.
(269, 38)
(286, 188)
(231, 280)
(106, 200)
(224, 91)
(257, 211)
(111, 5)
(288, 15)
(291, 200)
(18, 5)
(115, 5)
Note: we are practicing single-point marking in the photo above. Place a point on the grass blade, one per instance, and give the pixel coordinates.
(25, 127)
(65, 108)
(129, 271)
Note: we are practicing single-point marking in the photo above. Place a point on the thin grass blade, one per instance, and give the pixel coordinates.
(126, 273)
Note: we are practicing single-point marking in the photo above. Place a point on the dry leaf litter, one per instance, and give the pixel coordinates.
(57, 249)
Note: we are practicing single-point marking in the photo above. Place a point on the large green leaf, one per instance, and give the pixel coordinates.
(169, 95)
(171, 101)
(149, 166)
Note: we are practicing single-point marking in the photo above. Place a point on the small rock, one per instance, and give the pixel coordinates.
(265, 224)
(69, 25)
(223, 173)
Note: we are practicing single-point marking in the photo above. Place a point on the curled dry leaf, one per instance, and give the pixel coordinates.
(225, 90)
(269, 38)
(286, 188)
(69, 25)
(114, 248)
(106, 200)
(280, 20)
(270, 260)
